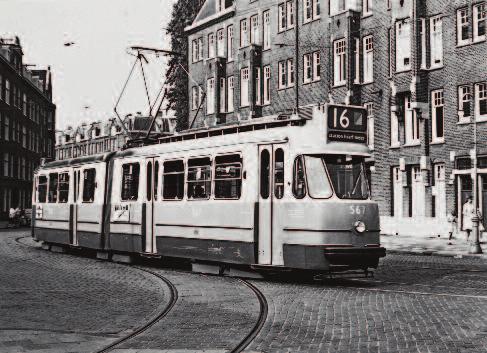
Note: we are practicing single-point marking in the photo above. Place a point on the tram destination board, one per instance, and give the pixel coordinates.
(347, 124)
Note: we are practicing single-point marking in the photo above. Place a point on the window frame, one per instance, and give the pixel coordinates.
(244, 89)
(368, 59)
(464, 90)
(480, 117)
(476, 22)
(399, 28)
(437, 101)
(214, 179)
(463, 21)
(163, 181)
(339, 62)
(210, 181)
(436, 43)
(130, 164)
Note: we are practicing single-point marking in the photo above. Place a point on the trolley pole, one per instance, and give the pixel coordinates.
(475, 247)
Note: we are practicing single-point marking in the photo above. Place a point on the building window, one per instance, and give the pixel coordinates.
(481, 100)
(368, 58)
(6, 164)
(282, 74)
(267, 85)
(337, 6)
(394, 129)
(436, 41)
(316, 66)
(422, 34)
(230, 94)
(286, 15)
(211, 45)
(267, 29)
(403, 45)
(411, 123)
(173, 180)
(200, 48)
(130, 181)
(307, 68)
(311, 10)
(437, 104)
(24, 104)
(230, 43)
(210, 93)
(195, 50)
(258, 91)
(7, 91)
(194, 97)
(370, 124)
(223, 97)
(220, 44)
(244, 33)
(464, 103)
(479, 22)
(244, 87)
(462, 26)
(228, 177)
(6, 130)
(366, 7)
(254, 30)
(199, 178)
(339, 62)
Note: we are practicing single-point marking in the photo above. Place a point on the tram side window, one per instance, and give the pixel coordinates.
(89, 185)
(42, 189)
(228, 177)
(53, 185)
(63, 187)
(173, 180)
(199, 178)
(130, 181)
(299, 181)
(279, 173)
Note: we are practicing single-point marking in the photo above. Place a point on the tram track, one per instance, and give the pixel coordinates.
(172, 301)
(263, 310)
(240, 347)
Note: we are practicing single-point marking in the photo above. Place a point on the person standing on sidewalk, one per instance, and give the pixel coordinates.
(468, 212)
(452, 219)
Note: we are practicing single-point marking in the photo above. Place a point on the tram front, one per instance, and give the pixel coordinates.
(334, 224)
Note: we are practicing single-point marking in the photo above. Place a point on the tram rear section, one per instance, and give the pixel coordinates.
(285, 194)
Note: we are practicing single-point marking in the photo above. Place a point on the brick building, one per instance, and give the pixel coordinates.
(27, 125)
(418, 66)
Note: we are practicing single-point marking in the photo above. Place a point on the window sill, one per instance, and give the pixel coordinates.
(338, 85)
(433, 68)
(481, 119)
(464, 121)
(403, 71)
(412, 144)
(305, 22)
(437, 142)
(464, 44)
(311, 82)
(284, 30)
(366, 15)
(284, 88)
(394, 147)
(478, 40)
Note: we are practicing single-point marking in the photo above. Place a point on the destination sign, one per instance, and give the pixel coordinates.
(347, 124)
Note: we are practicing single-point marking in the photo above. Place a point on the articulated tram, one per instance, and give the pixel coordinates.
(278, 192)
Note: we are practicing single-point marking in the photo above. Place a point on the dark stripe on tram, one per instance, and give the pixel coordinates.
(197, 226)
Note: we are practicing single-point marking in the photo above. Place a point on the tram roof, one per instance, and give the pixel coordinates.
(78, 161)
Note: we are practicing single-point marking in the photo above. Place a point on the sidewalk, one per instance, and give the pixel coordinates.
(430, 245)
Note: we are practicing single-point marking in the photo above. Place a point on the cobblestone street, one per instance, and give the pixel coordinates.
(65, 303)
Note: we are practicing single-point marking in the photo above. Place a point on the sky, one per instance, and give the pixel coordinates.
(88, 76)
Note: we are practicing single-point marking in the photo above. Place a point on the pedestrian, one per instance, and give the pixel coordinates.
(452, 219)
(468, 212)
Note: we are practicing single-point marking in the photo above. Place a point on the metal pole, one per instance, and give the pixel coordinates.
(296, 48)
(475, 247)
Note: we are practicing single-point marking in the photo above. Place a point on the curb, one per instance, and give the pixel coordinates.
(436, 253)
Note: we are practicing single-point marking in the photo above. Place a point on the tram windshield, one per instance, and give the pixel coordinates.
(347, 176)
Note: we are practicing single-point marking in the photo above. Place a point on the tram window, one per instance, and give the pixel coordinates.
(299, 181)
(279, 173)
(42, 189)
(63, 187)
(89, 185)
(264, 174)
(149, 181)
(199, 178)
(130, 181)
(173, 180)
(318, 183)
(53, 185)
(348, 177)
(156, 179)
(228, 177)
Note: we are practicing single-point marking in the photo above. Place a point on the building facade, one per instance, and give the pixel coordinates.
(100, 137)
(27, 125)
(418, 67)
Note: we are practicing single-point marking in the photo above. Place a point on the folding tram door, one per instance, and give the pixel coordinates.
(76, 200)
(152, 181)
(271, 191)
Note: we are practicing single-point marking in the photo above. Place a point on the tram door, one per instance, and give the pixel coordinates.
(152, 181)
(271, 189)
(76, 201)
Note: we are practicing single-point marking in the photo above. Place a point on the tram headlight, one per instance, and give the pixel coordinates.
(360, 226)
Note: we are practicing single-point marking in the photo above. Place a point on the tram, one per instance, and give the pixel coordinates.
(286, 192)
